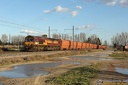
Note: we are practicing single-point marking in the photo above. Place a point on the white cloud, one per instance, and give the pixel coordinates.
(106, 2)
(56, 9)
(60, 9)
(109, 2)
(86, 27)
(124, 3)
(46, 11)
(29, 31)
(74, 13)
(79, 7)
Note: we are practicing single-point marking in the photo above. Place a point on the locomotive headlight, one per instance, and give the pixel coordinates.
(36, 42)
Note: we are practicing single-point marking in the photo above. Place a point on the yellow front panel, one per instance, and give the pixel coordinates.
(29, 43)
(45, 43)
(49, 41)
(55, 42)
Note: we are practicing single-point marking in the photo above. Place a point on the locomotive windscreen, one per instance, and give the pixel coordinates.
(29, 39)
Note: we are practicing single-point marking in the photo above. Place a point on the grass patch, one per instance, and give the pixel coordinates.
(14, 60)
(76, 76)
(119, 55)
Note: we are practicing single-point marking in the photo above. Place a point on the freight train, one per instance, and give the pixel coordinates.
(41, 43)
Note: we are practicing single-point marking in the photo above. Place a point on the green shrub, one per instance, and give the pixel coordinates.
(77, 76)
(121, 55)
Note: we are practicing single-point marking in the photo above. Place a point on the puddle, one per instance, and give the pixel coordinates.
(27, 70)
(115, 82)
(122, 70)
(121, 80)
(118, 81)
(69, 62)
(102, 55)
(1, 84)
(31, 70)
(90, 58)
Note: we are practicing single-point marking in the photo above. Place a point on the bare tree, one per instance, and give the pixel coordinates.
(55, 36)
(59, 36)
(21, 39)
(70, 38)
(66, 36)
(93, 39)
(105, 43)
(120, 39)
(1, 42)
(17, 40)
(4, 38)
(82, 37)
(76, 37)
(9, 39)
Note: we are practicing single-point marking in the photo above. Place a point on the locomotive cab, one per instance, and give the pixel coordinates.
(29, 42)
(39, 43)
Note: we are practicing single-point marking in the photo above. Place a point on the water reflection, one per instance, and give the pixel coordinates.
(31, 70)
(69, 62)
(1, 84)
(122, 70)
(90, 58)
(27, 70)
(115, 82)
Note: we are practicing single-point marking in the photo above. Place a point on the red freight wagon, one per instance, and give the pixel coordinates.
(65, 44)
(79, 45)
(91, 45)
(95, 46)
(104, 47)
(100, 46)
(75, 45)
(83, 46)
(87, 45)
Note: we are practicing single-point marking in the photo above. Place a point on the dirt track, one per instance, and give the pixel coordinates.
(23, 54)
(106, 74)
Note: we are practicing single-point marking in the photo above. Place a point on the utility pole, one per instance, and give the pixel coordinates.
(72, 36)
(49, 31)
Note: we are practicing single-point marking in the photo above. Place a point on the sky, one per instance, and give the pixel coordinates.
(104, 18)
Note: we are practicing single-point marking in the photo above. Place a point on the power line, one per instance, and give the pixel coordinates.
(16, 25)
(10, 26)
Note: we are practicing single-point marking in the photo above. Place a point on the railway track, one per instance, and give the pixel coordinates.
(24, 54)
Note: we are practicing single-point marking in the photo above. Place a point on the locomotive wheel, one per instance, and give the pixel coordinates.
(35, 49)
(42, 49)
(38, 49)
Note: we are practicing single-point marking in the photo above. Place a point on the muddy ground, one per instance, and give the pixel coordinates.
(106, 75)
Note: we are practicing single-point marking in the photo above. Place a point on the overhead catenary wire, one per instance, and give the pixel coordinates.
(11, 24)
(22, 25)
